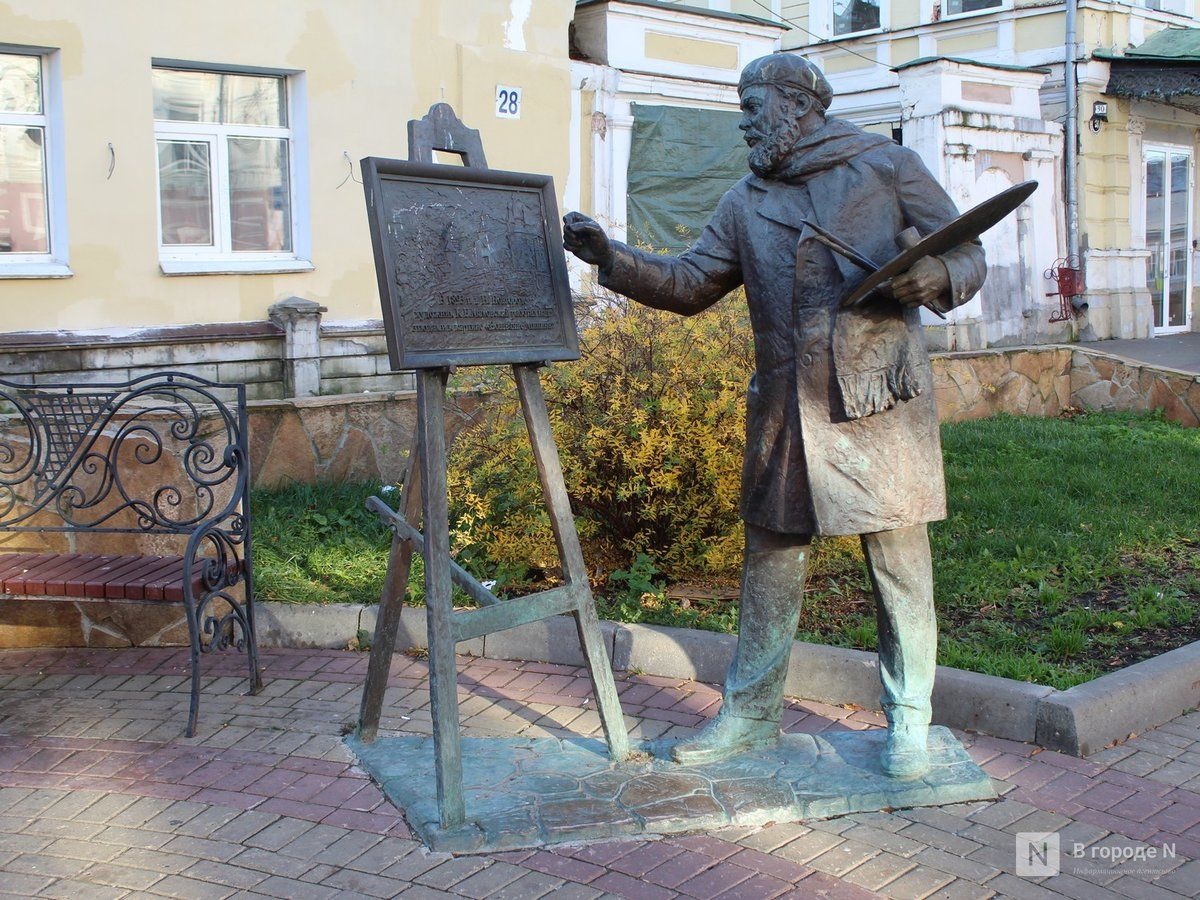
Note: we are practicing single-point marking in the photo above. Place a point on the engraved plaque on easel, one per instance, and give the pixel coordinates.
(466, 272)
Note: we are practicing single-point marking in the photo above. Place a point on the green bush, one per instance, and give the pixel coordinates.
(650, 430)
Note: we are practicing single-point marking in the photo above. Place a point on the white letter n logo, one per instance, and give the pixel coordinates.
(1037, 854)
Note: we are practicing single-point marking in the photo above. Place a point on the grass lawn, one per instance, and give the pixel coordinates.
(1071, 549)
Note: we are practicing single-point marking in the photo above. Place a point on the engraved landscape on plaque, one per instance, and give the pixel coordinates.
(470, 265)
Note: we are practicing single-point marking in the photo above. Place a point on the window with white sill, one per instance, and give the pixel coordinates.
(225, 149)
(965, 7)
(855, 16)
(1181, 7)
(32, 217)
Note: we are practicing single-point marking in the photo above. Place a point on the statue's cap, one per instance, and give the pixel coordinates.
(787, 70)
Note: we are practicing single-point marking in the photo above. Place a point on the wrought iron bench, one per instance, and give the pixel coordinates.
(157, 466)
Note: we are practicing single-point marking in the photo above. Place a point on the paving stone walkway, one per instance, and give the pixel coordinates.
(102, 796)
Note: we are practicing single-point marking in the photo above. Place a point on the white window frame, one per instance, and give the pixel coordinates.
(969, 14)
(54, 263)
(821, 21)
(220, 258)
(1167, 150)
(1186, 8)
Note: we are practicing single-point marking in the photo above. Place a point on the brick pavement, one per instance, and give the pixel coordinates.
(101, 796)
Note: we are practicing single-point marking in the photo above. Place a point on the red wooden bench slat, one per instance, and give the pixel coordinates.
(48, 573)
(75, 565)
(14, 581)
(136, 588)
(53, 574)
(174, 591)
(156, 589)
(97, 583)
(118, 589)
(38, 575)
(75, 585)
(14, 564)
(91, 576)
(10, 560)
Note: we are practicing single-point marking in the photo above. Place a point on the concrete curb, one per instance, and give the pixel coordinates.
(1078, 721)
(1111, 708)
(673, 652)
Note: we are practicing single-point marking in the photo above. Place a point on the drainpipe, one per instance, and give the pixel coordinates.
(1071, 138)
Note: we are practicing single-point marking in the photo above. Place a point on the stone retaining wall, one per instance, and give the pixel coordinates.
(355, 437)
(1032, 381)
(368, 435)
(1103, 382)
(1045, 381)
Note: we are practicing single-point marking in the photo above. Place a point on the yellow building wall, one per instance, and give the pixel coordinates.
(905, 14)
(1037, 32)
(795, 11)
(691, 51)
(1105, 175)
(905, 50)
(368, 68)
(836, 63)
(965, 44)
(1108, 173)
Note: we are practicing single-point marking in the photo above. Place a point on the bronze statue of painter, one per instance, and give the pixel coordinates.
(842, 431)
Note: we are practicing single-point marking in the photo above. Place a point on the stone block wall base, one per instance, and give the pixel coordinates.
(1027, 382)
(523, 793)
(364, 437)
(1103, 382)
(63, 622)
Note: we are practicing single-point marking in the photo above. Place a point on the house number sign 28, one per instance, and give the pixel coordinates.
(508, 102)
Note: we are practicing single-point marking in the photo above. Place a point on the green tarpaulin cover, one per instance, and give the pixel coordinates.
(680, 163)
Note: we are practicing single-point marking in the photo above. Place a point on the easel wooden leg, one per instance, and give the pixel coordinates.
(391, 602)
(558, 505)
(443, 673)
(600, 669)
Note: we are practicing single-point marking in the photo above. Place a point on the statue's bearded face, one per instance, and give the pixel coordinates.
(771, 125)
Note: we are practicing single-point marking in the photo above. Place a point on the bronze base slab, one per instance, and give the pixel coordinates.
(530, 792)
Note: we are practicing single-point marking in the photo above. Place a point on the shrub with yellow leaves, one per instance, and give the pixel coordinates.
(650, 427)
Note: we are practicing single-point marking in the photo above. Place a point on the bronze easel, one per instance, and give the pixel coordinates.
(424, 497)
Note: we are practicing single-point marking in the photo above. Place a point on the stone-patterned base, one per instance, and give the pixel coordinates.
(533, 792)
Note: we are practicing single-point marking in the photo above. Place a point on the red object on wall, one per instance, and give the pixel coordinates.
(1070, 287)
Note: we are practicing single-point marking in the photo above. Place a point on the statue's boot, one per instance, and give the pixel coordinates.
(723, 737)
(906, 752)
(772, 587)
(901, 572)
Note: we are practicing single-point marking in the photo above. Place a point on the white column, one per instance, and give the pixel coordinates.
(300, 320)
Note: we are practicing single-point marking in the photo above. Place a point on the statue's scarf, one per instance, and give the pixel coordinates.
(876, 364)
(827, 147)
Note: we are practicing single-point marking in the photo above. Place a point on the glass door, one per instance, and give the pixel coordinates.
(1169, 236)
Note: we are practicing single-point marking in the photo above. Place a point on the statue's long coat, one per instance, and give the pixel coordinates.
(842, 431)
